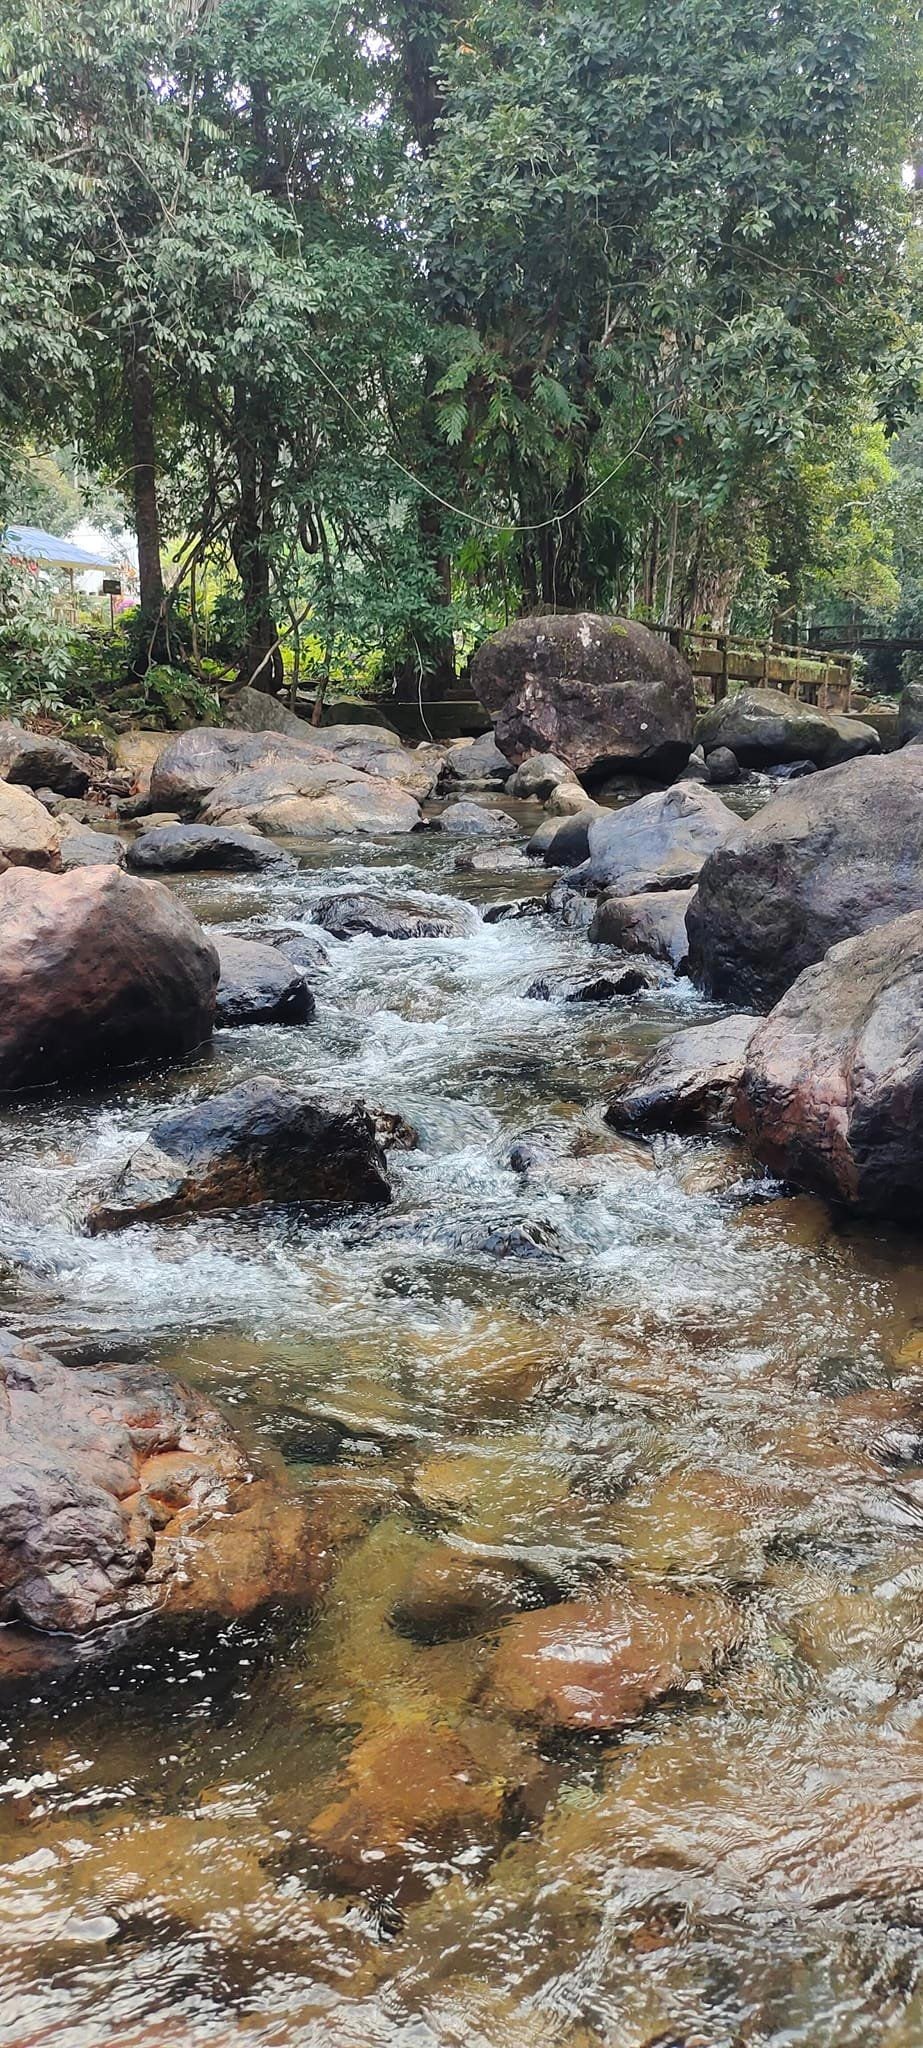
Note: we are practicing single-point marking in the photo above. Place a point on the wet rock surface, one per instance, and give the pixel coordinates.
(259, 985)
(124, 1495)
(257, 1143)
(692, 1078)
(393, 917)
(831, 1091)
(97, 970)
(594, 691)
(833, 856)
(468, 820)
(653, 922)
(764, 727)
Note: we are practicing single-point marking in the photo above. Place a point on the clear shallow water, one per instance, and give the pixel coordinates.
(625, 1365)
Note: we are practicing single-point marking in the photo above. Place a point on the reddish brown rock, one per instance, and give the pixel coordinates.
(413, 1791)
(124, 1495)
(689, 1080)
(597, 692)
(97, 970)
(595, 1665)
(831, 1091)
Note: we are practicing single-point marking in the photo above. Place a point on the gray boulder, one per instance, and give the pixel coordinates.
(479, 763)
(81, 847)
(393, 917)
(261, 1142)
(654, 922)
(830, 857)
(538, 776)
(831, 1094)
(179, 849)
(597, 692)
(474, 821)
(762, 727)
(40, 761)
(660, 842)
(258, 985)
(723, 767)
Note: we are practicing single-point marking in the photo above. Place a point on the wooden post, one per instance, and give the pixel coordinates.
(721, 682)
(825, 687)
(766, 650)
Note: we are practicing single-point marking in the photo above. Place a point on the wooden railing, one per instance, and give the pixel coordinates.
(722, 660)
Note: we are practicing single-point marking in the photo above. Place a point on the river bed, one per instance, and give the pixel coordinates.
(632, 1364)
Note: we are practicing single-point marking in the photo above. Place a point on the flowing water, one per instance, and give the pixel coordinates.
(629, 1364)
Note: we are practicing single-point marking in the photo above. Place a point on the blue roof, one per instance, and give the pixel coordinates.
(33, 544)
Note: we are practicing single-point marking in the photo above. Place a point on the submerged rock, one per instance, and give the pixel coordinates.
(259, 985)
(594, 691)
(413, 1792)
(40, 761)
(831, 1090)
(830, 857)
(452, 1595)
(260, 1142)
(393, 917)
(122, 1496)
(593, 1666)
(689, 1080)
(97, 970)
(762, 727)
(178, 849)
(654, 922)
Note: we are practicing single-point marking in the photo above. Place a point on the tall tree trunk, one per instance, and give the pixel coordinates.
(256, 456)
(140, 387)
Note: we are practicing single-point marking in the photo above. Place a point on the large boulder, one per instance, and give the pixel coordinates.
(827, 858)
(597, 692)
(177, 849)
(42, 762)
(97, 970)
(190, 763)
(297, 797)
(361, 912)
(910, 714)
(29, 835)
(262, 1141)
(763, 727)
(564, 843)
(259, 985)
(654, 922)
(660, 842)
(123, 1496)
(689, 1080)
(831, 1094)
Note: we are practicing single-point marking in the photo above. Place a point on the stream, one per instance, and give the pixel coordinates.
(641, 1362)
